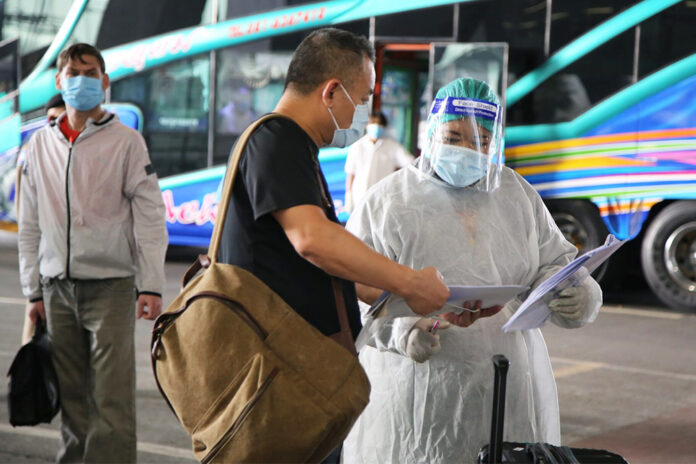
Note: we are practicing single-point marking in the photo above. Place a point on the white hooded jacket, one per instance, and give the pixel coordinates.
(92, 209)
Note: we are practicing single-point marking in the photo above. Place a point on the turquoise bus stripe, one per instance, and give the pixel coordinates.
(128, 59)
(585, 44)
(332, 154)
(656, 82)
(193, 177)
(10, 127)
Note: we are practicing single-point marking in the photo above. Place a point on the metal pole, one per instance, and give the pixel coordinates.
(547, 29)
(212, 84)
(636, 54)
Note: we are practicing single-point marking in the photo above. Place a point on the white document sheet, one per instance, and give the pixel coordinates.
(533, 312)
(395, 306)
(490, 295)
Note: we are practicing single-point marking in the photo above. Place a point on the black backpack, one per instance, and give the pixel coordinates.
(33, 387)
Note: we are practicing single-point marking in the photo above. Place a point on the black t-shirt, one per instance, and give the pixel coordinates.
(279, 169)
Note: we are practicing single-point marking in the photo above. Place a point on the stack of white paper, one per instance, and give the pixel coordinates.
(533, 312)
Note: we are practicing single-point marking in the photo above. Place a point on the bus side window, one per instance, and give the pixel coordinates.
(562, 98)
(174, 102)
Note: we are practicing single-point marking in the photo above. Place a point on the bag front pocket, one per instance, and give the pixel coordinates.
(262, 416)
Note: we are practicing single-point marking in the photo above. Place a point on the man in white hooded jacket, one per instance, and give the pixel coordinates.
(91, 234)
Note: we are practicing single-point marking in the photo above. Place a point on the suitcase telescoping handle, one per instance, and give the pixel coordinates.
(495, 449)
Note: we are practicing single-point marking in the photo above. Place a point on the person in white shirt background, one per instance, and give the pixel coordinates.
(372, 158)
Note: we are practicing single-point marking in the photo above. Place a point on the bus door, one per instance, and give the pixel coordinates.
(401, 89)
(10, 122)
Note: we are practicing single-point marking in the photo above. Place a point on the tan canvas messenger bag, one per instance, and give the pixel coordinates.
(248, 378)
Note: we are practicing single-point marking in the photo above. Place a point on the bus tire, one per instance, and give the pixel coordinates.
(581, 225)
(668, 255)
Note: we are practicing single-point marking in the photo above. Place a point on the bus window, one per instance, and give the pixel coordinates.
(174, 102)
(249, 84)
(594, 77)
(486, 62)
(36, 24)
(572, 18)
(130, 20)
(667, 37)
(520, 24)
(433, 23)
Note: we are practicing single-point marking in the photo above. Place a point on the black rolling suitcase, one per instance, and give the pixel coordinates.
(499, 451)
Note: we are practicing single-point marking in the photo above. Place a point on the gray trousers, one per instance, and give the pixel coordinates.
(91, 327)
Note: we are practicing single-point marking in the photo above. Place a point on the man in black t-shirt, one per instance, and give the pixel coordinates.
(281, 225)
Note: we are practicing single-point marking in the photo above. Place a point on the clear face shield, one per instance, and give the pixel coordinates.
(464, 146)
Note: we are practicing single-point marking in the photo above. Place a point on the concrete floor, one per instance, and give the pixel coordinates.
(626, 383)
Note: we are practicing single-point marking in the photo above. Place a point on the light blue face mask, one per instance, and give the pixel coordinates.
(374, 131)
(81, 92)
(344, 137)
(458, 166)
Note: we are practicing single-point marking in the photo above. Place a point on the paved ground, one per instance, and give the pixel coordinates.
(626, 383)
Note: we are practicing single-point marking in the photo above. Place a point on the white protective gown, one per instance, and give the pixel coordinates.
(440, 411)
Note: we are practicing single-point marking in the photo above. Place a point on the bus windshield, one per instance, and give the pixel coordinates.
(37, 23)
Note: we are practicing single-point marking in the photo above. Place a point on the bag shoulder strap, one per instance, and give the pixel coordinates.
(345, 336)
(229, 182)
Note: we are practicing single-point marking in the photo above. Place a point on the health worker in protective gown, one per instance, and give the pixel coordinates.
(459, 209)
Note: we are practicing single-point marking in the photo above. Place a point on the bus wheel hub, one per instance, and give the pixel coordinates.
(680, 256)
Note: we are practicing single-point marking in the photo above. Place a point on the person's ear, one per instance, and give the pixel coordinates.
(328, 92)
(106, 82)
(58, 86)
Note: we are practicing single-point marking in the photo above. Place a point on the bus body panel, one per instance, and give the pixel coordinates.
(646, 152)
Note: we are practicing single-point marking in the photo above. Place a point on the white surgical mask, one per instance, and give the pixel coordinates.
(344, 137)
(458, 166)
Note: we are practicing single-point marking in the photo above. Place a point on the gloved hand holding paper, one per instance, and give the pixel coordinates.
(534, 312)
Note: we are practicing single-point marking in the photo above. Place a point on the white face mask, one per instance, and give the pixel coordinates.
(345, 137)
(458, 166)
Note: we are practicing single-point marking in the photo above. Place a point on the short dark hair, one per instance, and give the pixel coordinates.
(76, 51)
(376, 114)
(324, 54)
(56, 101)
